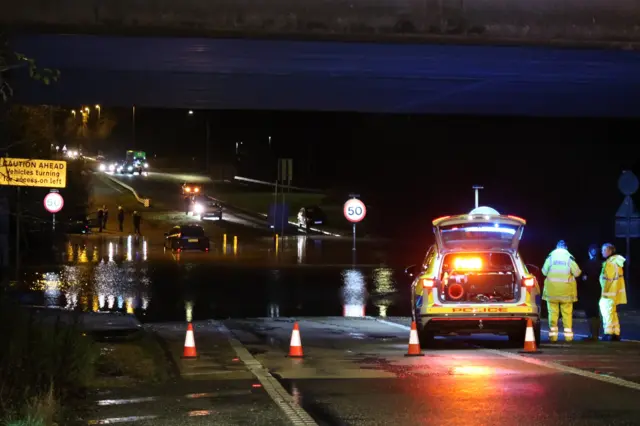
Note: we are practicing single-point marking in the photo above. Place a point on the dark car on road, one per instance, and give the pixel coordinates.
(186, 237)
(206, 209)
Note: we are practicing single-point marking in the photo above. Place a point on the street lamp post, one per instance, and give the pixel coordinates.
(99, 109)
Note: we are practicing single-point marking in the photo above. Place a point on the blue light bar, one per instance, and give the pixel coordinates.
(484, 229)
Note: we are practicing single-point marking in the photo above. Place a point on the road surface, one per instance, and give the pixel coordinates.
(354, 324)
(355, 373)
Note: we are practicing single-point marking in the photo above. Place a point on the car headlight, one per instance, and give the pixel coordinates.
(130, 168)
(112, 167)
(146, 165)
(198, 208)
(102, 167)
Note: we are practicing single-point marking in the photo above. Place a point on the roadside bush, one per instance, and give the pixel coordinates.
(42, 362)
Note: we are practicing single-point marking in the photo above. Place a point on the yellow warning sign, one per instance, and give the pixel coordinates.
(32, 172)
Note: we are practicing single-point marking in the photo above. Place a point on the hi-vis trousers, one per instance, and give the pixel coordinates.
(609, 312)
(555, 308)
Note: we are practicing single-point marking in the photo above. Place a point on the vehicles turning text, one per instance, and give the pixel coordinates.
(473, 279)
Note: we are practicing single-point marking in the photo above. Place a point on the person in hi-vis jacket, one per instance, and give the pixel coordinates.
(613, 291)
(560, 290)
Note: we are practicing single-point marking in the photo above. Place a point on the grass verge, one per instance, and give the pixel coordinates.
(128, 363)
(42, 364)
(47, 365)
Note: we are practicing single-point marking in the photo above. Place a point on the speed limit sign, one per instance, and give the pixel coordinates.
(53, 202)
(354, 210)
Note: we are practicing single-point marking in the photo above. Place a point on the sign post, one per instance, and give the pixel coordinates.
(628, 220)
(53, 203)
(477, 189)
(354, 212)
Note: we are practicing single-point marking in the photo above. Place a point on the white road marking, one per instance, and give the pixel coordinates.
(104, 402)
(296, 414)
(541, 363)
(114, 420)
(566, 369)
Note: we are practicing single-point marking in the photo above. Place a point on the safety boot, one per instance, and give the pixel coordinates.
(594, 328)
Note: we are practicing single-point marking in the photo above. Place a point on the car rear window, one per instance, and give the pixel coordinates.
(192, 231)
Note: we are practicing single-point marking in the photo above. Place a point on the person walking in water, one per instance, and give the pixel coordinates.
(120, 219)
(106, 216)
(137, 220)
(100, 218)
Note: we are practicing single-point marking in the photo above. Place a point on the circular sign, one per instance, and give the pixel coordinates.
(354, 210)
(53, 202)
(628, 183)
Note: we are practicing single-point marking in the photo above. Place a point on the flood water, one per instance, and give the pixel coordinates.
(305, 277)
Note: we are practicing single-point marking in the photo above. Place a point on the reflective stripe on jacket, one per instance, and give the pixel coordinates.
(612, 279)
(561, 271)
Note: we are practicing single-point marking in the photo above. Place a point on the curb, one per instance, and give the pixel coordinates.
(144, 201)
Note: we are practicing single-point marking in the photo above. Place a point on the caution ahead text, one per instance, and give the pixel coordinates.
(31, 172)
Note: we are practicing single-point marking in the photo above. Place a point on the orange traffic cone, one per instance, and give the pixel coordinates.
(295, 347)
(189, 344)
(414, 343)
(530, 340)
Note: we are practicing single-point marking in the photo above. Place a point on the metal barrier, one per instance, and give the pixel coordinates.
(262, 182)
(144, 201)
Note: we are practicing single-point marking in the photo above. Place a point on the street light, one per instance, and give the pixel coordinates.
(98, 108)
(190, 112)
(73, 112)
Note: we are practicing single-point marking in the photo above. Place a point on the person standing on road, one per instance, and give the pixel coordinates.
(137, 220)
(106, 216)
(100, 218)
(590, 292)
(560, 289)
(613, 291)
(120, 219)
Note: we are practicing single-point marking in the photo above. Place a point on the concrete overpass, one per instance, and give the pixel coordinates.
(469, 20)
(329, 76)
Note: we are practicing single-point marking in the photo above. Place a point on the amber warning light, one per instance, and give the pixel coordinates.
(468, 263)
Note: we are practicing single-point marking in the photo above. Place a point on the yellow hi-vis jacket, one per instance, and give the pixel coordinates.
(612, 279)
(561, 271)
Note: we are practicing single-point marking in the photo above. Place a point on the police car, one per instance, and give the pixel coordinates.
(473, 279)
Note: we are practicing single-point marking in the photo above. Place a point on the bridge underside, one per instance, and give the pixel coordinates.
(285, 75)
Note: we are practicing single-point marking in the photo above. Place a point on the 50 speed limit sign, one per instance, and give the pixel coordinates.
(53, 202)
(354, 210)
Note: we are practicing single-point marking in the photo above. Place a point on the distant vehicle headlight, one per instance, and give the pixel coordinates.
(198, 208)
(112, 167)
(130, 168)
(146, 165)
(102, 167)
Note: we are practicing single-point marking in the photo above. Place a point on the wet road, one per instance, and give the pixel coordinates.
(355, 373)
(243, 301)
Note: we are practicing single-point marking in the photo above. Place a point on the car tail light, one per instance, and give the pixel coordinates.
(428, 282)
(528, 281)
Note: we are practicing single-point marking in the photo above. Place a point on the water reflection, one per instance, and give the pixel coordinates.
(116, 275)
(302, 248)
(188, 309)
(353, 293)
(95, 278)
(384, 289)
